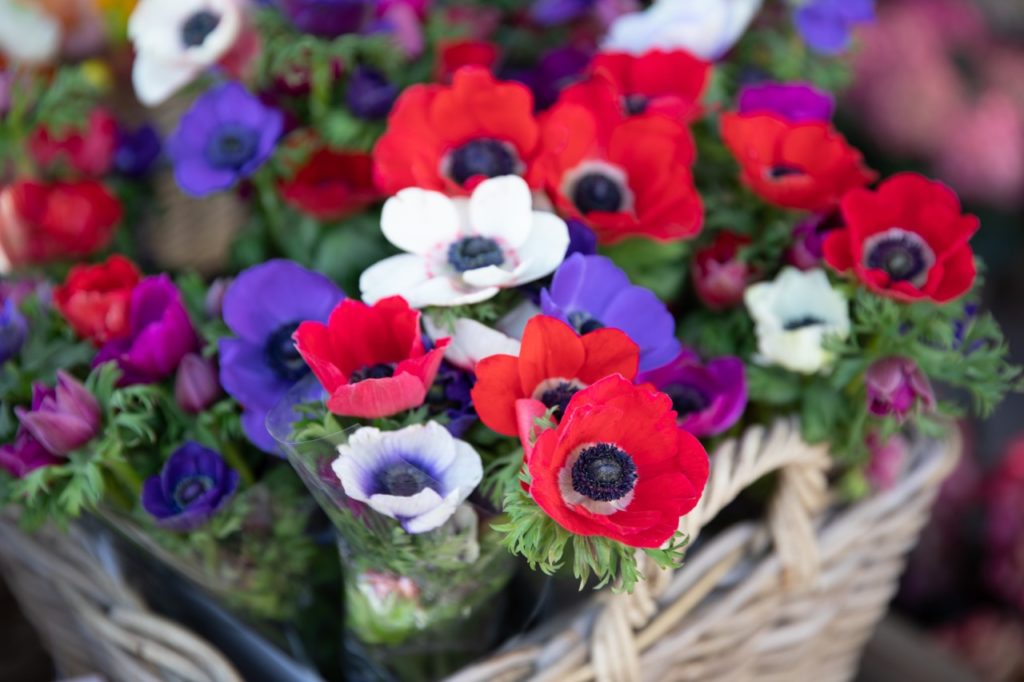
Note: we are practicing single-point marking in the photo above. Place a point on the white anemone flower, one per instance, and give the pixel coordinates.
(418, 475)
(794, 314)
(176, 40)
(459, 251)
(706, 28)
(28, 35)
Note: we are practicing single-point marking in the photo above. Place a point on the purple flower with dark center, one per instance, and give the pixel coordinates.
(63, 418)
(13, 330)
(226, 135)
(194, 484)
(557, 12)
(370, 95)
(328, 18)
(160, 334)
(582, 239)
(263, 307)
(709, 398)
(25, 455)
(455, 399)
(796, 102)
(895, 385)
(590, 292)
(137, 150)
(827, 25)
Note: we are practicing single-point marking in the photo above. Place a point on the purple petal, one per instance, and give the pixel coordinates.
(254, 423)
(823, 30)
(643, 316)
(247, 378)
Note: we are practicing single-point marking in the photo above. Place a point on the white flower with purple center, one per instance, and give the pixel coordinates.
(418, 475)
(460, 252)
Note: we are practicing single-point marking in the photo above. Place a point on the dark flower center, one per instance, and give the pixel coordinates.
(191, 489)
(231, 146)
(558, 397)
(484, 157)
(635, 104)
(801, 322)
(583, 322)
(902, 255)
(282, 356)
(782, 172)
(378, 371)
(687, 399)
(470, 253)
(402, 479)
(596, 192)
(198, 27)
(603, 473)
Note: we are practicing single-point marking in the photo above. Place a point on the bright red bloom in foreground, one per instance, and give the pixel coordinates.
(370, 359)
(332, 185)
(663, 82)
(89, 150)
(625, 176)
(553, 364)
(42, 222)
(94, 298)
(618, 466)
(906, 240)
(451, 137)
(807, 166)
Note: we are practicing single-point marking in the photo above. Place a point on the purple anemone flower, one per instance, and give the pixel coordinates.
(709, 398)
(25, 455)
(827, 25)
(590, 292)
(160, 334)
(263, 307)
(13, 330)
(455, 399)
(557, 12)
(370, 95)
(137, 150)
(582, 239)
(194, 484)
(895, 385)
(808, 247)
(328, 18)
(796, 102)
(418, 475)
(62, 418)
(226, 135)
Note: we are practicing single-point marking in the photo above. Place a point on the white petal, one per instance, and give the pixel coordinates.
(466, 470)
(411, 506)
(490, 276)
(156, 80)
(26, 34)
(434, 518)
(446, 292)
(471, 342)
(513, 324)
(394, 276)
(501, 208)
(545, 249)
(419, 221)
(431, 442)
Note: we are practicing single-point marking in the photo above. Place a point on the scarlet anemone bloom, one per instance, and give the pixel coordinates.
(906, 240)
(669, 82)
(553, 364)
(370, 359)
(618, 466)
(623, 176)
(807, 166)
(451, 137)
(332, 185)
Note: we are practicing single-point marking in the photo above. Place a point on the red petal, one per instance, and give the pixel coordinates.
(375, 398)
(958, 277)
(496, 391)
(608, 352)
(550, 349)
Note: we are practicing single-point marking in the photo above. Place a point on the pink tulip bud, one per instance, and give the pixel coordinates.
(196, 386)
(63, 418)
(894, 387)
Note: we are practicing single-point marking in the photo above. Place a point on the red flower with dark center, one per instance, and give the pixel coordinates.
(664, 82)
(332, 185)
(719, 276)
(94, 299)
(623, 176)
(43, 222)
(453, 55)
(906, 240)
(370, 359)
(618, 466)
(807, 166)
(553, 364)
(449, 138)
(89, 150)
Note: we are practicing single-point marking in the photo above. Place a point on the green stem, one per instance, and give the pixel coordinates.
(233, 456)
(127, 477)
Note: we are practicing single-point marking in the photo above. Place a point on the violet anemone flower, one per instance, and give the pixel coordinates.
(418, 475)
(590, 292)
(895, 385)
(137, 150)
(63, 418)
(160, 334)
(796, 102)
(454, 398)
(25, 455)
(194, 484)
(226, 135)
(827, 25)
(708, 398)
(263, 307)
(328, 18)
(370, 95)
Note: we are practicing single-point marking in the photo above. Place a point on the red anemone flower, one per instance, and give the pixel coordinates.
(553, 364)
(664, 82)
(906, 240)
(807, 166)
(624, 176)
(449, 138)
(89, 150)
(94, 299)
(618, 466)
(332, 185)
(370, 359)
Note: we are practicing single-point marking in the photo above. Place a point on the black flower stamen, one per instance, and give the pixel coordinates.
(470, 253)
(402, 479)
(596, 192)
(635, 104)
(232, 146)
(687, 399)
(198, 27)
(801, 322)
(484, 157)
(378, 371)
(781, 172)
(190, 489)
(583, 322)
(558, 397)
(282, 356)
(902, 255)
(603, 473)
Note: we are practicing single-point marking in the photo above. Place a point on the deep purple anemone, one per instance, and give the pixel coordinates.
(709, 398)
(194, 484)
(827, 25)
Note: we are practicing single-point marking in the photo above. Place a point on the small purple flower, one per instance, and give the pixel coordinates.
(137, 151)
(582, 239)
(213, 305)
(557, 12)
(455, 399)
(196, 386)
(328, 18)
(796, 102)
(555, 70)
(161, 334)
(370, 95)
(827, 25)
(64, 418)
(13, 330)
(194, 484)
(25, 455)
(226, 135)
(888, 460)
(709, 398)
(263, 307)
(807, 249)
(895, 385)
(590, 292)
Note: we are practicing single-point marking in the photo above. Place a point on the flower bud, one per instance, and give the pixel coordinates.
(196, 386)
(894, 385)
(63, 418)
(214, 303)
(719, 276)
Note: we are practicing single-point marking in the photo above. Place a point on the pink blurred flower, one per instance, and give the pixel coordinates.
(888, 461)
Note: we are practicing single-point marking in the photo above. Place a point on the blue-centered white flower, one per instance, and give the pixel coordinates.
(794, 314)
(460, 251)
(418, 475)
